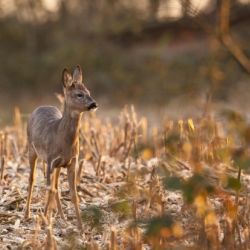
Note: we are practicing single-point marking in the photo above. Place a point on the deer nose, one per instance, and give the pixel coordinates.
(92, 105)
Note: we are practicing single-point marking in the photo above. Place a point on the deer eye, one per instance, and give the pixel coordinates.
(79, 95)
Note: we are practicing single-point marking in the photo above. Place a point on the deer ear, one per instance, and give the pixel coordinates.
(66, 78)
(77, 74)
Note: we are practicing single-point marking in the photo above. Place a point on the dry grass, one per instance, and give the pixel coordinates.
(181, 185)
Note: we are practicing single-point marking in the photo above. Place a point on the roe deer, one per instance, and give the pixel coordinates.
(54, 138)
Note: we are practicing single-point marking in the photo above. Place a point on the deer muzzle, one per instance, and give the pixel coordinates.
(92, 105)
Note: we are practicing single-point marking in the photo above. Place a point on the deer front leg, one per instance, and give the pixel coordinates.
(32, 162)
(51, 164)
(59, 206)
(71, 170)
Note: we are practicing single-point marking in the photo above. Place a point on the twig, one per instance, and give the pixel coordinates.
(2, 159)
(93, 134)
(79, 173)
(237, 194)
(85, 191)
(227, 39)
(90, 146)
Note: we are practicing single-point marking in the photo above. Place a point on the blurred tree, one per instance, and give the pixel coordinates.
(186, 8)
(153, 9)
(63, 11)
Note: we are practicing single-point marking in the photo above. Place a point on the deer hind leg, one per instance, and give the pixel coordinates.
(32, 162)
(51, 193)
(52, 184)
(72, 186)
(58, 201)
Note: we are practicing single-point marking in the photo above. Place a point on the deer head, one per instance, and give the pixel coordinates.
(77, 96)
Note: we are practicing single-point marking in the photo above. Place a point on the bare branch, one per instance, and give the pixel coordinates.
(227, 39)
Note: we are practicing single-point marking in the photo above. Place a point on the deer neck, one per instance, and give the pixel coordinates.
(70, 125)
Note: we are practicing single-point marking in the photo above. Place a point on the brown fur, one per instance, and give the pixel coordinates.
(54, 137)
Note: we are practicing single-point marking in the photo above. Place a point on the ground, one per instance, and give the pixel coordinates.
(175, 186)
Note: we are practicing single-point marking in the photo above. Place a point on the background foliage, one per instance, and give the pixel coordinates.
(131, 51)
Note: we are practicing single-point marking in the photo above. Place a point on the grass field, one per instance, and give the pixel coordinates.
(182, 184)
